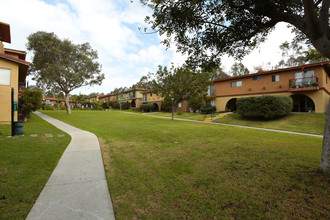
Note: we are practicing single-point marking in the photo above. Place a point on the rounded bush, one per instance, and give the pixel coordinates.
(208, 109)
(147, 107)
(264, 107)
(125, 105)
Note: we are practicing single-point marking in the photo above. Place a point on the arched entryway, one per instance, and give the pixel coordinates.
(133, 104)
(302, 103)
(156, 107)
(231, 105)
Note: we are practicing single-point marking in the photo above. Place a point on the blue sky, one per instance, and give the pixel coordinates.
(111, 27)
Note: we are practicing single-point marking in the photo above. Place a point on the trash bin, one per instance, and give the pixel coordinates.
(18, 127)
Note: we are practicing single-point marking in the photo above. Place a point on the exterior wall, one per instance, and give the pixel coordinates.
(184, 107)
(5, 92)
(264, 85)
(320, 95)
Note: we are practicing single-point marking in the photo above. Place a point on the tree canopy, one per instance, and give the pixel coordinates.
(178, 84)
(206, 29)
(63, 65)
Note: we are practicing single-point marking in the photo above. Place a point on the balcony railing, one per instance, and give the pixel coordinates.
(312, 81)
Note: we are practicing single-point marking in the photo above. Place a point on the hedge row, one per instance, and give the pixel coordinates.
(264, 107)
(147, 107)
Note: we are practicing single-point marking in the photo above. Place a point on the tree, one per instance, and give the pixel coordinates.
(63, 65)
(178, 84)
(143, 83)
(30, 101)
(218, 73)
(298, 53)
(206, 29)
(239, 69)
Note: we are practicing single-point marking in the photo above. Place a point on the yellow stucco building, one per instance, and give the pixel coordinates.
(308, 85)
(13, 71)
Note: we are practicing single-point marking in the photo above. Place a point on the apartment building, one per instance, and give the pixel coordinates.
(13, 71)
(308, 85)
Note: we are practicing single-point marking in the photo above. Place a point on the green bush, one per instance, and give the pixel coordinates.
(166, 105)
(114, 104)
(208, 109)
(196, 103)
(264, 107)
(125, 105)
(97, 105)
(48, 107)
(62, 108)
(30, 101)
(105, 105)
(147, 107)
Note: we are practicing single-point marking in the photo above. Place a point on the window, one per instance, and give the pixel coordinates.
(144, 97)
(210, 103)
(179, 105)
(256, 77)
(211, 90)
(275, 78)
(150, 94)
(5, 75)
(236, 84)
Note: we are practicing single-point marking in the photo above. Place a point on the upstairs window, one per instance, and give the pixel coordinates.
(236, 84)
(256, 77)
(275, 78)
(5, 75)
(150, 94)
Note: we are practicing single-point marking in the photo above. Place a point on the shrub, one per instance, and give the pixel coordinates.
(48, 107)
(196, 103)
(147, 107)
(113, 104)
(30, 101)
(97, 105)
(105, 105)
(166, 105)
(125, 105)
(62, 108)
(264, 107)
(208, 109)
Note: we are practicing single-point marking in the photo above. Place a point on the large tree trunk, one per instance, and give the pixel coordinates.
(67, 104)
(325, 157)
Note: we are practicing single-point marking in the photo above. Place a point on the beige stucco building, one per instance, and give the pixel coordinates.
(13, 71)
(308, 85)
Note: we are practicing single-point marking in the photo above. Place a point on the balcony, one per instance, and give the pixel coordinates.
(303, 84)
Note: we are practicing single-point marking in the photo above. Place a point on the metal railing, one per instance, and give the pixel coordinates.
(304, 82)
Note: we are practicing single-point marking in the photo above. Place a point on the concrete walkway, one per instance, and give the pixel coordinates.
(77, 188)
(232, 125)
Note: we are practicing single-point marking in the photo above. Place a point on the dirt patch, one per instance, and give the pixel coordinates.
(106, 156)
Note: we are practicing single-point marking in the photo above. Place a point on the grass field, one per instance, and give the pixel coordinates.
(25, 165)
(158, 168)
(305, 123)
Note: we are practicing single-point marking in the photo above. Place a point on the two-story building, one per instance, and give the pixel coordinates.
(149, 97)
(133, 96)
(308, 85)
(13, 71)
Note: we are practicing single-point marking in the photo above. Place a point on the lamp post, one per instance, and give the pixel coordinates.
(172, 99)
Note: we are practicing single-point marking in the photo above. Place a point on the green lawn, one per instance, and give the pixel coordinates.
(306, 123)
(25, 165)
(160, 169)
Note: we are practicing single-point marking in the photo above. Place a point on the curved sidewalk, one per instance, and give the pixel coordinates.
(77, 188)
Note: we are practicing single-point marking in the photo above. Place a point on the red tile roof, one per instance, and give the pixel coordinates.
(13, 59)
(274, 71)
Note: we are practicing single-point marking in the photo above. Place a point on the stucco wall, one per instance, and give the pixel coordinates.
(5, 92)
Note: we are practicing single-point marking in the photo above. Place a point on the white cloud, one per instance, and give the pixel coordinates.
(111, 27)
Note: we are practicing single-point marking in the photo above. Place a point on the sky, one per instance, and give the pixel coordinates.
(112, 28)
